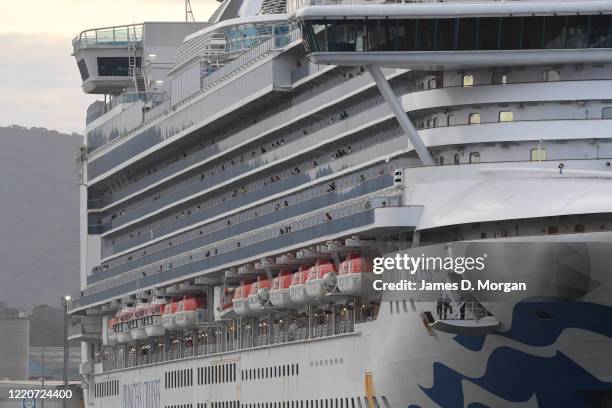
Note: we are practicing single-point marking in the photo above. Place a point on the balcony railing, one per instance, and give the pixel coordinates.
(137, 356)
(118, 36)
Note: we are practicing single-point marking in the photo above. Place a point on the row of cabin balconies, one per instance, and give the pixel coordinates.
(367, 180)
(377, 212)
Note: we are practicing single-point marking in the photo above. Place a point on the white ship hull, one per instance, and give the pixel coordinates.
(405, 363)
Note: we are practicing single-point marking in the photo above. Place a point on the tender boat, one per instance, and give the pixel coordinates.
(187, 314)
(241, 299)
(279, 293)
(355, 276)
(297, 289)
(260, 293)
(321, 279)
(125, 315)
(168, 316)
(153, 319)
(137, 324)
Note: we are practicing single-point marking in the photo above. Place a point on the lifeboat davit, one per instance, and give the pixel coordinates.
(153, 320)
(123, 332)
(260, 293)
(110, 331)
(297, 288)
(241, 299)
(355, 276)
(321, 279)
(137, 324)
(279, 293)
(223, 301)
(168, 316)
(187, 314)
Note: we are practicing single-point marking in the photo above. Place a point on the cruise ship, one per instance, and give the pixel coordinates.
(240, 178)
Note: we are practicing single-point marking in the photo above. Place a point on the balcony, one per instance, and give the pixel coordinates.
(85, 328)
(371, 215)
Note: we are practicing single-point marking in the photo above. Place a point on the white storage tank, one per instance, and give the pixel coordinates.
(14, 346)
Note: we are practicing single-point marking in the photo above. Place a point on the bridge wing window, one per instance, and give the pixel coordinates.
(463, 34)
(114, 66)
(83, 69)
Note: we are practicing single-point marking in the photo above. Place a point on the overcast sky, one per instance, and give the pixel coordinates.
(39, 80)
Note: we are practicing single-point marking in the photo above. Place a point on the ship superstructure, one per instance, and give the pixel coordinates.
(242, 174)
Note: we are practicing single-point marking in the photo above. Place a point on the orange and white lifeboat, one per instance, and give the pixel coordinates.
(137, 324)
(110, 331)
(355, 276)
(187, 314)
(123, 332)
(260, 293)
(241, 299)
(279, 293)
(297, 288)
(153, 319)
(321, 279)
(168, 316)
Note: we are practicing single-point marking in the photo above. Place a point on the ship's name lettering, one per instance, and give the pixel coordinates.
(143, 394)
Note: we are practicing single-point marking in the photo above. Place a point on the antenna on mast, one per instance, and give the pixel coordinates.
(189, 12)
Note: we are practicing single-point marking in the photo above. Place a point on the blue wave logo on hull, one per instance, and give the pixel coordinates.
(516, 376)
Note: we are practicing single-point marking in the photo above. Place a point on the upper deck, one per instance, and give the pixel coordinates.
(455, 35)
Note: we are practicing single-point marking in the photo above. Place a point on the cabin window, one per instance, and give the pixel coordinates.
(606, 113)
(457, 158)
(553, 230)
(551, 75)
(428, 123)
(538, 154)
(467, 81)
(499, 78)
(431, 84)
(441, 160)
(474, 118)
(450, 120)
(114, 66)
(434, 122)
(579, 228)
(474, 157)
(506, 116)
